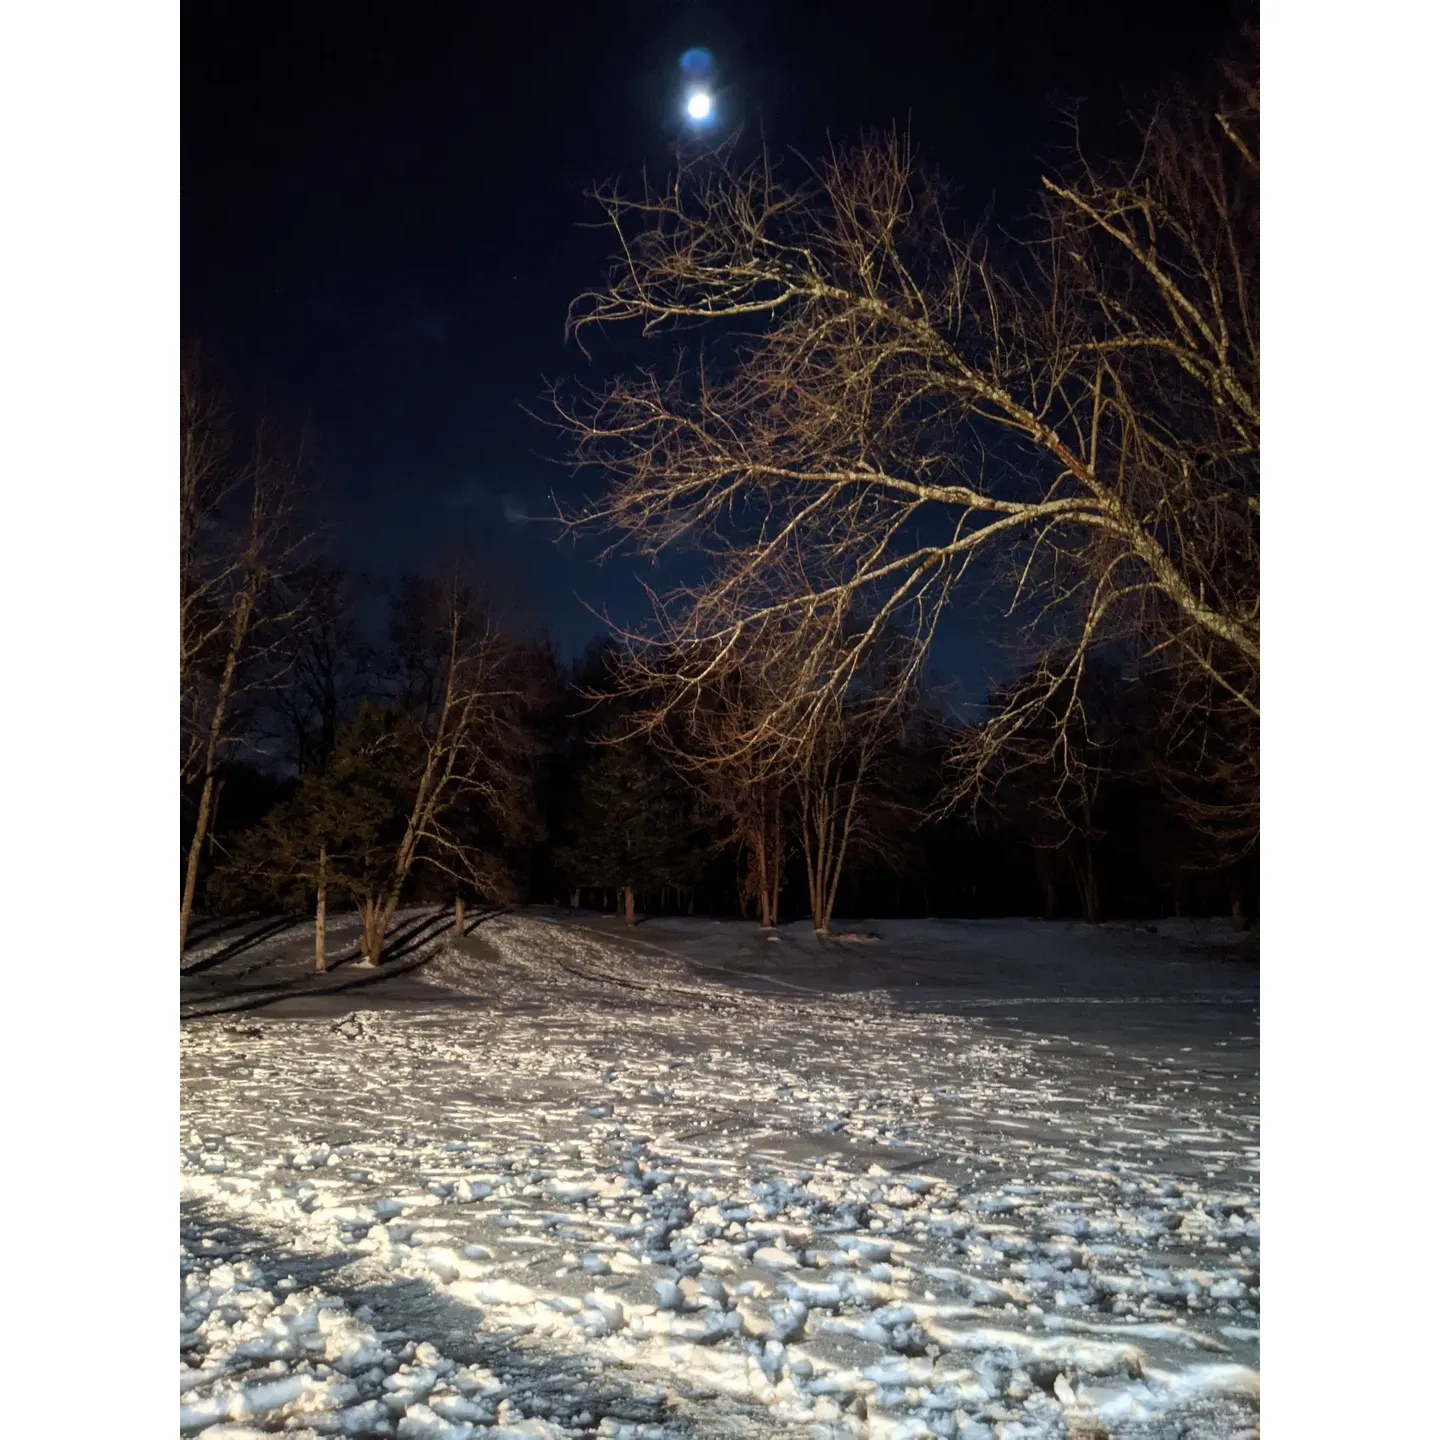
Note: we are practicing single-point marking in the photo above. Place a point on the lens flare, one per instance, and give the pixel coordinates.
(697, 62)
(698, 106)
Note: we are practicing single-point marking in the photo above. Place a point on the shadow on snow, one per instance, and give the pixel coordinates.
(547, 1384)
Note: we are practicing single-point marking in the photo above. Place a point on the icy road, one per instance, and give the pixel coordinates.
(976, 1179)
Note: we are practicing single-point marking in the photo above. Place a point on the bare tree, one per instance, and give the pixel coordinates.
(831, 788)
(238, 541)
(722, 734)
(460, 684)
(772, 746)
(323, 665)
(1046, 782)
(841, 765)
(740, 775)
(892, 403)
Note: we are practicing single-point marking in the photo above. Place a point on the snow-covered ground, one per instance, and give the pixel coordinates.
(991, 1179)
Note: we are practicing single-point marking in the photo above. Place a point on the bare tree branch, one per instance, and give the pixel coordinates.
(239, 543)
(884, 405)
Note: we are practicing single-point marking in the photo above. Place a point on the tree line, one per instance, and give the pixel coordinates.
(879, 413)
(446, 758)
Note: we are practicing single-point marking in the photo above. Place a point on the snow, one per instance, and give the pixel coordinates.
(991, 1179)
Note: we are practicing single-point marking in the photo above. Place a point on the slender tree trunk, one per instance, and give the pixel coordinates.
(812, 842)
(758, 879)
(825, 867)
(320, 916)
(837, 860)
(769, 886)
(459, 915)
(777, 863)
(812, 883)
(762, 889)
(629, 906)
(215, 813)
(367, 924)
(376, 915)
(238, 631)
(817, 874)
(441, 751)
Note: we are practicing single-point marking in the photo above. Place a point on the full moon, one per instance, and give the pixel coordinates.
(698, 106)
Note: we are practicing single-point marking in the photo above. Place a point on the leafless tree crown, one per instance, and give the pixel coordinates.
(240, 546)
(887, 402)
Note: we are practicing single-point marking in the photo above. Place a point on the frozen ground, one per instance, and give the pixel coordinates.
(559, 1179)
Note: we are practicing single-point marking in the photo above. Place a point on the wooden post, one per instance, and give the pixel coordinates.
(320, 916)
(629, 906)
(459, 915)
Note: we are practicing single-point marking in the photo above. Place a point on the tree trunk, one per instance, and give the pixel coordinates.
(375, 917)
(239, 630)
(215, 813)
(192, 861)
(819, 911)
(838, 845)
(320, 916)
(828, 823)
(773, 838)
(778, 864)
(759, 880)
(830, 892)
(459, 916)
(629, 906)
(812, 843)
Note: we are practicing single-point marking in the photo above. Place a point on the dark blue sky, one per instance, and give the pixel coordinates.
(381, 212)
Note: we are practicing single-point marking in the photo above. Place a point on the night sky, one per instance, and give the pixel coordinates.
(381, 214)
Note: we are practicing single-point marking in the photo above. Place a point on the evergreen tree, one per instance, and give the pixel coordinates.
(337, 831)
(633, 826)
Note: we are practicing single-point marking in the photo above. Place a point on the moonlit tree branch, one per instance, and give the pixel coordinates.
(882, 405)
